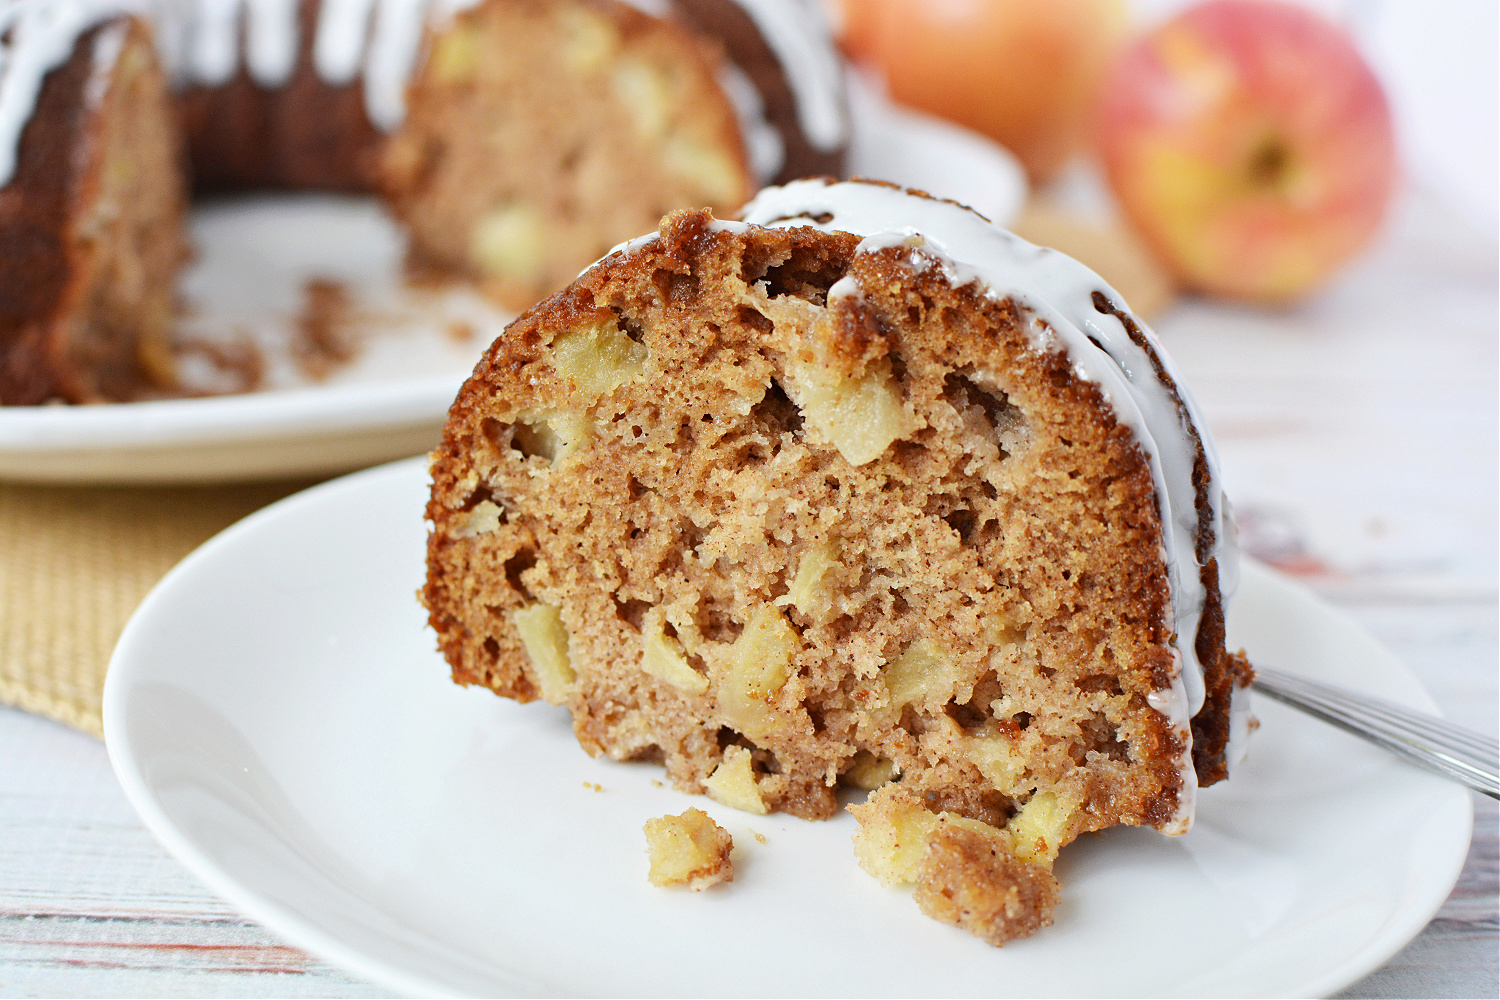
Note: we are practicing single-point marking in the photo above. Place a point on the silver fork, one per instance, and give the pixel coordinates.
(1424, 740)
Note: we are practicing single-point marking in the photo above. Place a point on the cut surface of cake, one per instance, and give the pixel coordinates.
(514, 140)
(862, 491)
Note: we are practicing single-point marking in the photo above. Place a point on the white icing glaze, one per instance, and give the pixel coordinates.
(379, 40)
(763, 143)
(652, 8)
(1239, 727)
(212, 45)
(108, 45)
(1058, 293)
(343, 31)
(395, 41)
(1229, 551)
(271, 32)
(1240, 716)
(845, 288)
(797, 32)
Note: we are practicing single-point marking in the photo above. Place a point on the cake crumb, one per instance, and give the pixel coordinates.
(760, 838)
(323, 330)
(968, 877)
(690, 849)
(593, 785)
(208, 367)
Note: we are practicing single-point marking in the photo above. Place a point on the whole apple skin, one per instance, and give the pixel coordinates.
(1024, 72)
(1250, 146)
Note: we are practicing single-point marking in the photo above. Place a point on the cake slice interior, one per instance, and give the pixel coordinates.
(793, 514)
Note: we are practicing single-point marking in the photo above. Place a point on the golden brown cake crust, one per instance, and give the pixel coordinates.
(38, 263)
(1223, 672)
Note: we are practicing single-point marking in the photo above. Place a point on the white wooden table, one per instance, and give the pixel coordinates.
(1359, 440)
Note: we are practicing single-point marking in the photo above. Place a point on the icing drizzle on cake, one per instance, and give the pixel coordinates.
(378, 41)
(1134, 376)
(798, 32)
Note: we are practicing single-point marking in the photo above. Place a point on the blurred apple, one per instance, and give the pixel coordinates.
(1250, 145)
(1024, 72)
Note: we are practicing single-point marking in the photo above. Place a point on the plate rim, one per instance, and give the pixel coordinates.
(1395, 934)
(297, 931)
(305, 411)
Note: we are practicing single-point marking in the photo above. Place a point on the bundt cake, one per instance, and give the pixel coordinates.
(515, 140)
(861, 490)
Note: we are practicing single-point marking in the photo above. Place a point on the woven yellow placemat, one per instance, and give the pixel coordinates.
(76, 561)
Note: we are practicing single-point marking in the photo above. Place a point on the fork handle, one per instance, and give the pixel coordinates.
(1424, 740)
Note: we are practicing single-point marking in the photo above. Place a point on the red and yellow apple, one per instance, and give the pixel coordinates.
(1250, 146)
(1024, 72)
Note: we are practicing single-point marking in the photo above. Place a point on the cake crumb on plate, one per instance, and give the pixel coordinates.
(690, 849)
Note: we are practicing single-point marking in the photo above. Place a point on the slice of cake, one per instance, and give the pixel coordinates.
(863, 491)
(91, 236)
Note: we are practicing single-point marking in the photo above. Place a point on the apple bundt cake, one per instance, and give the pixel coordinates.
(865, 491)
(515, 140)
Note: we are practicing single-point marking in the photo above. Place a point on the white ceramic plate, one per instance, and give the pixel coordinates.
(277, 714)
(254, 258)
